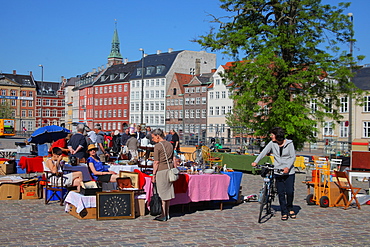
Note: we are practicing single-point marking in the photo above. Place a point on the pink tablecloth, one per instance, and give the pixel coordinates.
(206, 187)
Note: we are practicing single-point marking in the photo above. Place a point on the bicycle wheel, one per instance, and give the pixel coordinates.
(263, 201)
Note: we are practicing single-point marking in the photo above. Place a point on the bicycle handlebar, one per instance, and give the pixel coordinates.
(270, 167)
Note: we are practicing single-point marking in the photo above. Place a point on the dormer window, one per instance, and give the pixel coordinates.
(150, 70)
(138, 71)
(174, 91)
(160, 69)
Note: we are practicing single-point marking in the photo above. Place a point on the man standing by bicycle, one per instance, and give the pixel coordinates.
(284, 156)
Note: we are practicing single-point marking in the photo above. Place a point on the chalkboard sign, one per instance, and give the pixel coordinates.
(115, 205)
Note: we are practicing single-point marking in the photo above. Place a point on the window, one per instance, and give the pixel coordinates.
(125, 88)
(114, 101)
(150, 70)
(109, 101)
(157, 94)
(343, 104)
(217, 110)
(160, 69)
(138, 71)
(47, 113)
(223, 94)
(217, 95)
(24, 103)
(115, 88)
(14, 102)
(204, 89)
(30, 93)
(366, 131)
(30, 113)
(120, 100)
(211, 111)
(23, 93)
(110, 89)
(23, 113)
(105, 101)
(152, 94)
(328, 129)
(3, 92)
(54, 102)
(197, 101)
(53, 113)
(14, 93)
(223, 110)
(109, 113)
(101, 101)
(343, 129)
(366, 104)
(313, 105)
(47, 102)
(210, 95)
(96, 90)
(204, 100)
(105, 113)
(204, 113)
(192, 101)
(191, 113)
(218, 81)
(101, 90)
(197, 113)
(328, 105)
(105, 89)
(229, 108)
(197, 90)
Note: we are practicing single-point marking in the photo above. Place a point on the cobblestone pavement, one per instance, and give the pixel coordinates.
(31, 223)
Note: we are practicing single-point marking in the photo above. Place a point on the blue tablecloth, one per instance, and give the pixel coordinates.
(234, 186)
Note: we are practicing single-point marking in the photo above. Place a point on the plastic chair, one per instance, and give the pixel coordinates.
(346, 187)
(208, 158)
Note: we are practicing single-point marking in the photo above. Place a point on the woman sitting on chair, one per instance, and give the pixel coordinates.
(97, 169)
(54, 166)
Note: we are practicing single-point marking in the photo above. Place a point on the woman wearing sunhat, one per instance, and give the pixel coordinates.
(97, 169)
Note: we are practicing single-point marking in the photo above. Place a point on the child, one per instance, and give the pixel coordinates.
(54, 166)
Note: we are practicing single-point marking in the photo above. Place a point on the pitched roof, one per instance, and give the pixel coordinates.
(362, 78)
(23, 80)
(165, 59)
(116, 70)
(49, 88)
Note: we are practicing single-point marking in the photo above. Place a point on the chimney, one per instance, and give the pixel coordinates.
(197, 66)
(31, 73)
(94, 70)
(159, 52)
(125, 61)
(14, 72)
(170, 50)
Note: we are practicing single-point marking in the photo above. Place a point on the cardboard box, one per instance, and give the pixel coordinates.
(29, 190)
(10, 191)
(6, 169)
(87, 213)
(140, 207)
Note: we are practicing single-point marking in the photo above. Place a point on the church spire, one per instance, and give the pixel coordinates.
(115, 56)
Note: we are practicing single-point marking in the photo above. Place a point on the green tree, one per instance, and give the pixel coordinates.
(288, 58)
(5, 109)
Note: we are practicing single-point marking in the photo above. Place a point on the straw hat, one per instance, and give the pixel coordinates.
(91, 147)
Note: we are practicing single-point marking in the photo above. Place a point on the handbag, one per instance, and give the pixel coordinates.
(173, 174)
(155, 202)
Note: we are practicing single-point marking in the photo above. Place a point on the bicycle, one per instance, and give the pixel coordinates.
(268, 191)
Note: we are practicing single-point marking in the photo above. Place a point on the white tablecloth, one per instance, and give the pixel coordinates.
(80, 201)
(126, 168)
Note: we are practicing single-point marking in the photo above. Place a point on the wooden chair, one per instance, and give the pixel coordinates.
(345, 186)
(208, 158)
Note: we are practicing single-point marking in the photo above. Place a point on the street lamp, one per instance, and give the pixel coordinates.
(350, 15)
(42, 85)
(142, 86)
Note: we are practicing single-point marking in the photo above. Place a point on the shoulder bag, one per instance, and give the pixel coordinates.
(155, 203)
(173, 174)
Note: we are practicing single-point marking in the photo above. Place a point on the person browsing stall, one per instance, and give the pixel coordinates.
(132, 145)
(97, 168)
(163, 153)
(284, 156)
(53, 165)
(77, 145)
(102, 153)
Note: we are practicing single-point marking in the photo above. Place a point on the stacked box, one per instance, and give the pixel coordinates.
(6, 168)
(29, 190)
(86, 213)
(9, 191)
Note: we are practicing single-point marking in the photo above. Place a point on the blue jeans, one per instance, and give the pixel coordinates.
(285, 190)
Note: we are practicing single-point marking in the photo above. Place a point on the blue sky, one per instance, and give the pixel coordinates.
(71, 37)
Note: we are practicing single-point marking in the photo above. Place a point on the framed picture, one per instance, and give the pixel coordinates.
(133, 176)
(115, 205)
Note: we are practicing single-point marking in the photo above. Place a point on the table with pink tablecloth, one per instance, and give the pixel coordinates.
(205, 187)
